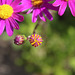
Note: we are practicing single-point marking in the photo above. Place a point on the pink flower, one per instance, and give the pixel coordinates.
(35, 40)
(9, 12)
(39, 7)
(63, 5)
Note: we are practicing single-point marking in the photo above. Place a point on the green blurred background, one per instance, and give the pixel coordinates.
(56, 55)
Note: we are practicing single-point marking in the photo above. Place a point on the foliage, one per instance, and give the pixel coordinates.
(56, 55)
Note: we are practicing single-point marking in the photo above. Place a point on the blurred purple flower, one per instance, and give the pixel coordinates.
(9, 10)
(39, 7)
(63, 5)
(19, 39)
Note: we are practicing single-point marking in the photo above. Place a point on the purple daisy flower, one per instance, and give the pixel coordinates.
(63, 5)
(9, 12)
(39, 7)
(35, 40)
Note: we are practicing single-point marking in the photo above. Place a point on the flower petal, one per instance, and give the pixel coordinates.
(15, 3)
(3, 1)
(27, 4)
(34, 18)
(62, 8)
(36, 12)
(0, 2)
(14, 23)
(47, 14)
(26, 1)
(2, 26)
(42, 17)
(72, 7)
(29, 11)
(50, 6)
(9, 1)
(18, 8)
(57, 3)
(18, 17)
(9, 28)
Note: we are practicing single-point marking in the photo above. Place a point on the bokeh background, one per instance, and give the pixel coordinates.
(56, 55)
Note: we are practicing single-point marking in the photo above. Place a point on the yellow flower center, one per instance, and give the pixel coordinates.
(65, 0)
(37, 3)
(5, 11)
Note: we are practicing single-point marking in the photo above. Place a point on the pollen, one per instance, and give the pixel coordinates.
(5, 11)
(37, 3)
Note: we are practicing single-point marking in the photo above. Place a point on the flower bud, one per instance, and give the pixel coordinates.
(19, 39)
(35, 40)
